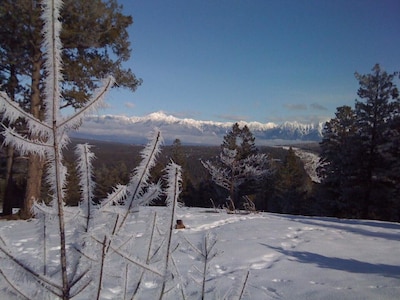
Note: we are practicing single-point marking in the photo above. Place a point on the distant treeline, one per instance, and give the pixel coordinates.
(288, 190)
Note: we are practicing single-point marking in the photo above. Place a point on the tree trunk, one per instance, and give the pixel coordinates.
(8, 199)
(33, 185)
(36, 164)
(9, 189)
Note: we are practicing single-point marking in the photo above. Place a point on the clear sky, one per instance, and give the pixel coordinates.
(255, 60)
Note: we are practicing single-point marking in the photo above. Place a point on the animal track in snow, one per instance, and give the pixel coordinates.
(266, 262)
(219, 223)
(294, 237)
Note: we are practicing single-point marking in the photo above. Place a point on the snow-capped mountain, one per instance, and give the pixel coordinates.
(190, 131)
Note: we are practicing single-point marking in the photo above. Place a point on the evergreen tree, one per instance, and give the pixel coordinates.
(247, 145)
(291, 188)
(360, 148)
(178, 155)
(230, 139)
(375, 114)
(87, 54)
(239, 169)
(340, 148)
(241, 140)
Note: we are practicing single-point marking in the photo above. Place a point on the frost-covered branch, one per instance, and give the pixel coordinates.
(24, 145)
(95, 102)
(206, 251)
(41, 279)
(85, 174)
(11, 111)
(239, 290)
(231, 172)
(219, 175)
(174, 180)
(140, 179)
(118, 194)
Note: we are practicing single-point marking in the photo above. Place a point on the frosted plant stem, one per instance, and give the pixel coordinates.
(113, 233)
(103, 256)
(203, 285)
(142, 178)
(148, 256)
(126, 282)
(53, 45)
(244, 285)
(85, 171)
(183, 292)
(44, 246)
(16, 289)
(171, 227)
(61, 222)
(45, 281)
(88, 185)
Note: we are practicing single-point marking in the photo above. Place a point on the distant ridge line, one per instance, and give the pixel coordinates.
(189, 131)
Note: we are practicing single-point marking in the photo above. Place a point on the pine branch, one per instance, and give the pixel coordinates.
(126, 282)
(52, 65)
(85, 174)
(48, 284)
(242, 290)
(153, 227)
(44, 246)
(78, 279)
(142, 174)
(12, 111)
(219, 175)
(174, 178)
(152, 193)
(24, 145)
(137, 262)
(183, 290)
(206, 253)
(103, 257)
(118, 194)
(84, 286)
(95, 102)
(16, 289)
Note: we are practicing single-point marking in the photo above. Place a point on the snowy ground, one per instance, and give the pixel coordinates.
(289, 257)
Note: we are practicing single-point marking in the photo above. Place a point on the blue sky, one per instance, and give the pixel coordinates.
(265, 61)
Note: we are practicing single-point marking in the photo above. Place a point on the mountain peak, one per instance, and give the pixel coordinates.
(190, 131)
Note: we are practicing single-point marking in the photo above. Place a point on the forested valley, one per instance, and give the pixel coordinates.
(288, 190)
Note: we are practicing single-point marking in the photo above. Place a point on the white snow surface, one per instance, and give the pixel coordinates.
(288, 257)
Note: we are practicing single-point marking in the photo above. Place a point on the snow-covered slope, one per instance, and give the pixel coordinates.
(288, 257)
(189, 131)
(310, 161)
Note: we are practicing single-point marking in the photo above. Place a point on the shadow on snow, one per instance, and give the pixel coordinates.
(341, 264)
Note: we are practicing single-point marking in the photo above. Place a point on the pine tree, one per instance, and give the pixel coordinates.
(241, 140)
(360, 147)
(340, 149)
(87, 54)
(291, 187)
(374, 116)
(50, 134)
(239, 169)
(247, 146)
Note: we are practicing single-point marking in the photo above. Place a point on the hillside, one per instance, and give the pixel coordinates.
(292, 257)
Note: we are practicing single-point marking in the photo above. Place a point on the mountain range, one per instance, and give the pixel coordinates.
(135, 130)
